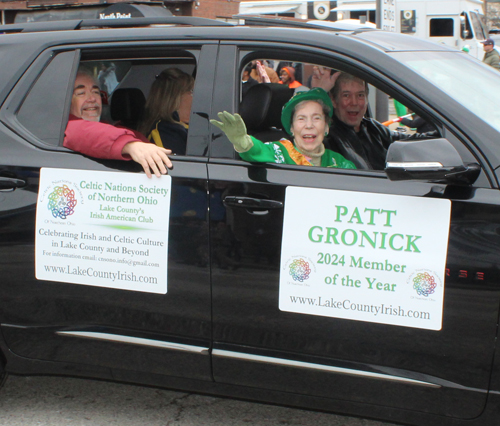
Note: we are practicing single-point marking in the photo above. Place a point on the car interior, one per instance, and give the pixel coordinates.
(125, 99)
(261, 104)
(261, 109)
(125, 86)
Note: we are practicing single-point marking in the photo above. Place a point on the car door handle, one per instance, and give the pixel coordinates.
(11, 183)
(252, 203)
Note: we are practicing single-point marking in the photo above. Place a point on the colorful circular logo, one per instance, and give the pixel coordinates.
(300, 270)
(62, 202)
(424, 283)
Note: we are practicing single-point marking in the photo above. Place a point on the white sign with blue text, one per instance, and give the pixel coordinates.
(104, 229)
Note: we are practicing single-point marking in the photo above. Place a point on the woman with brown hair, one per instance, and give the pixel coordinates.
(166, 116)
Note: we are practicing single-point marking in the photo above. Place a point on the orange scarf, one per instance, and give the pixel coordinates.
(295, 155)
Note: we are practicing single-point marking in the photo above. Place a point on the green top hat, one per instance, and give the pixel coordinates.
(315, 94)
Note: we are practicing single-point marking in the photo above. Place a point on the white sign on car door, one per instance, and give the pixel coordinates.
(103, 229)
(362, 256)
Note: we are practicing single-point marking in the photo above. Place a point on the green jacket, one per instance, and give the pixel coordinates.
(492, 59)
(283, 151)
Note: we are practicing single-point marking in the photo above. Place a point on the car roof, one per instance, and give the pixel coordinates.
(277, 29)
(347, 24)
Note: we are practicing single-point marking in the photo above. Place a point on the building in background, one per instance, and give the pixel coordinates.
(301, 9)
(492, 12)
(364, 10)
(14, 11)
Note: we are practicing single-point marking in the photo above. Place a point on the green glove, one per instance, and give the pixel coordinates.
(234, 128)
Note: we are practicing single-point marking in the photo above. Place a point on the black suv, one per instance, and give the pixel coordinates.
(366, 292)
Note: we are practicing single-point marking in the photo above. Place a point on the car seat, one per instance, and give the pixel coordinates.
(261, 110)
(127, 107)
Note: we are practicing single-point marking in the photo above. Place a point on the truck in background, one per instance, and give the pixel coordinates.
(456, 23)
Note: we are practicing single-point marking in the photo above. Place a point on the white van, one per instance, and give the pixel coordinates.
(456, 23)
(451, 22)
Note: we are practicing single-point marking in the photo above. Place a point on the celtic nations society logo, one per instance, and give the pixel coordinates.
(424, 283)
(300, 270)
(62, 202)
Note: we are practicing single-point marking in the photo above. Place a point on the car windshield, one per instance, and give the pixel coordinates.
(475, 86)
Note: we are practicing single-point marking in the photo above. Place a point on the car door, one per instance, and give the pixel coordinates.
(106, 331)
(260, 341)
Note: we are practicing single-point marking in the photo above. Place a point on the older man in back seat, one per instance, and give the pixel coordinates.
(84, 133)
(360, 139)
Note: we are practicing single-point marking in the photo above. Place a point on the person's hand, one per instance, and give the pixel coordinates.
(149, 156)
(234, 128)
(262, 73)
(322, 78)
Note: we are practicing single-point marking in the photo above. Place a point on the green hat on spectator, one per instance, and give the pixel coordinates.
(315, 94)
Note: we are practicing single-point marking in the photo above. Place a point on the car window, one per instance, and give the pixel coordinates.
(124, 79)
(261, 106)
(110, 74)
(150, 96)
(462, 80)
(33, 114)
(263, 118)
(365, 145)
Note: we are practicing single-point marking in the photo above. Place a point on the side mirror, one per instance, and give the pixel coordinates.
(464, 32)
(431, 159)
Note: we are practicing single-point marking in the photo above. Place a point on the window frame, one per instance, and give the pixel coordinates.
(245, 51)
(197, 144)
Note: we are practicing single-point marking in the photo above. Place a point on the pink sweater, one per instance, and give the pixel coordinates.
(99, 140)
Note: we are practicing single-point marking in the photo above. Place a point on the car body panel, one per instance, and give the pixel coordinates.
(219, 328)
(247, 320)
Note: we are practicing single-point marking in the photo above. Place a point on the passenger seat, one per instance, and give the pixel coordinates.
(127, 107)
(261, 110)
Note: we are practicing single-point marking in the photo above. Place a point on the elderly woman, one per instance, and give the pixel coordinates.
(306, 117)
(166, 117)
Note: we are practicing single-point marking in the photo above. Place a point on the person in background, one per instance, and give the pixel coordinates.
(107, 78)
(168, 107)
(287, 76)
(262, 73)
(246, 80)
(306, 116)
(86, 134)
(491, 56)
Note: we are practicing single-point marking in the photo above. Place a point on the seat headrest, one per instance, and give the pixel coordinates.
(127, 106)
(280, 95)
(255, 105)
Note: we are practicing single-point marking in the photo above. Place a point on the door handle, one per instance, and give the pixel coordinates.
(11, 183)
(252, 203)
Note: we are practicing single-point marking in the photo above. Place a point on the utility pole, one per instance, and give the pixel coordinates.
(386, 20)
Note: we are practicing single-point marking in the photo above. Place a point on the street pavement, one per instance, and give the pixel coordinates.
(55, 401)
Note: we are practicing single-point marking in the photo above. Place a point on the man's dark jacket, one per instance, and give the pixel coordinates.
(367, 149)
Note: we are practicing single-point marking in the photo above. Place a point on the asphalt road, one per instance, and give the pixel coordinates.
(54, 401)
